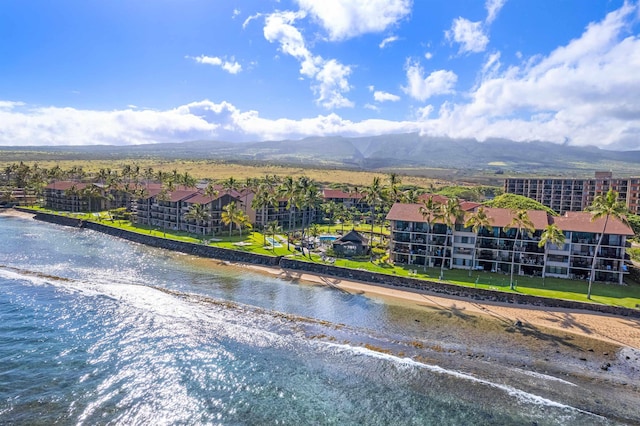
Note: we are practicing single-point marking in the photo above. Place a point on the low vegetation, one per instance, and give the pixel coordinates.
(518, 202)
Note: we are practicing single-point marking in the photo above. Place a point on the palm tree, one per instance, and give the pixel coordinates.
(243, 220)
(342, 214)
(550, 235)
(74, 194)
(450, 213)
(141, 193)
(112, 186)
(148, 174)
(198, 214)
(261, 202)
(607, 206)
(394, 187)
(248, 186)
(308, 201)
(92, 193)
(428, 210)
(288, 190)
(55, 174)
(212, 192)
(230, 184)
(314, 230)
(273, 228)
(374, 194)
(103, 174)
(164, 196)
(523, 225)
(231, 215)
(329, 208)
(410, 196)
(187, 180)
(175, 177)
(477, 221)
(126, 172)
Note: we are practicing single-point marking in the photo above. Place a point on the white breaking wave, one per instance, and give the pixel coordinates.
(522, 396)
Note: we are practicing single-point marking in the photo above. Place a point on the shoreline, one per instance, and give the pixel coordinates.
(613, 329)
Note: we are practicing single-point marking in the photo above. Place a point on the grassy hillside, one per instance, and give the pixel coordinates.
(442, 158)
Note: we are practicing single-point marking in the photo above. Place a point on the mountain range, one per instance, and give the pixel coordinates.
(397, 151)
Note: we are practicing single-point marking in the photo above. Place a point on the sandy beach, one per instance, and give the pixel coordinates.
(612, 329)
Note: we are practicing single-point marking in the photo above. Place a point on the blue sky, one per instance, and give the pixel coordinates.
(76, 72)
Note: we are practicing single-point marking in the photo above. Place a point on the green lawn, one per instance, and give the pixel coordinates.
(558, 288)
(609, 294)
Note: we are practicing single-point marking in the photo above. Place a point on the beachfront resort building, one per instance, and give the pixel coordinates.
(415, 242)
(563, 195)
(350, 200)
(164, 209)
(291, 216)
(75, 196)
(152, 204)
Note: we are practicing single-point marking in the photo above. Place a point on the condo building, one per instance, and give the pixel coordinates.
(563, 195)
(416, 242)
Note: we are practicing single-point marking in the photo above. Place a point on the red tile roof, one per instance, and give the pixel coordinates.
(411, 212)
(337, 193)
(435, 197)
(202, 199)
(581, 222)
(503, 217)
(406, 212)
(467, 206)
(571, 221)
(180, 195)
(63, 185)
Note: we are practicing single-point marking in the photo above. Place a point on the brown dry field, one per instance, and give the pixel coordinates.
(219, 170)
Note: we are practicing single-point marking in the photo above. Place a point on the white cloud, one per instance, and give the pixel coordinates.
(372, 107)
(380, 96)
(279, 28)
(492, 65)
(249, 19)
(330, 76)
(344, 19)
(387, 41)
(8, 105)
(422, 88)
(428, 55)
(470, 35)
(232, 67)
(586, 92)
(423, 113)
(331, 84)
(236, 12)
(493, 7)
(203, 120)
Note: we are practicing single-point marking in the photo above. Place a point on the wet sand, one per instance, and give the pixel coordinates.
(617, 330)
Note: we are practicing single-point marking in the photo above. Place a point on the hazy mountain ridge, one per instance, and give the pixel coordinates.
(370, 152)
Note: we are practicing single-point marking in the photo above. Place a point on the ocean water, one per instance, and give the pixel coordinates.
(96, 330)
